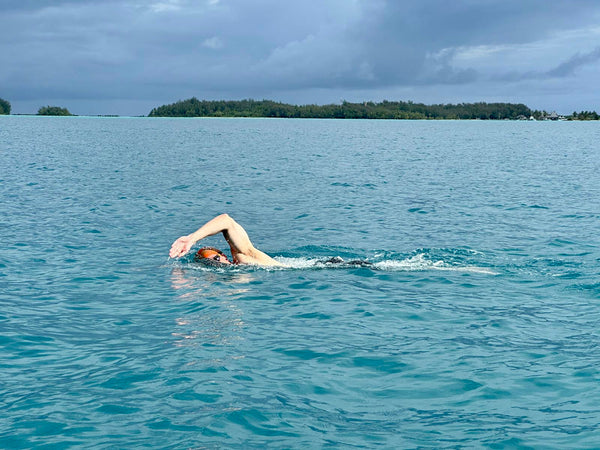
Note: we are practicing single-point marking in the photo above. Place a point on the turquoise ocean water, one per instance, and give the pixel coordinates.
(476, 326)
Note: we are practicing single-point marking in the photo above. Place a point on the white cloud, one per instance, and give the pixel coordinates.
(213, 42)
(166, 6)
(308, 59)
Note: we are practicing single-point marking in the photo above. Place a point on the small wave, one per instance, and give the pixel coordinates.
(421, 263)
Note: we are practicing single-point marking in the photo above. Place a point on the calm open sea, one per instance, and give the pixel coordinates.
(477, 325)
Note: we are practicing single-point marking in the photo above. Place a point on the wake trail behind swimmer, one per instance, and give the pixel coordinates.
(338, 261)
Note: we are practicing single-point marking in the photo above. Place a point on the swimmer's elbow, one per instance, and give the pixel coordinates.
(226, 218)
(230, 223)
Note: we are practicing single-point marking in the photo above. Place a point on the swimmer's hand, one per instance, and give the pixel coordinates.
(181, 246)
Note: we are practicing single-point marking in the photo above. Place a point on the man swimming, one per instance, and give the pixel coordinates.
(242, 250)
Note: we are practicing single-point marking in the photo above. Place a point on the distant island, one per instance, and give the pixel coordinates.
(346, 110)
(4, 106)
(53, 111)
(365, 110)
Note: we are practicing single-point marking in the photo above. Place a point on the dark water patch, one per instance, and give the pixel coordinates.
(127, 379)
(313, 315)
(117, 409)
(166, 424)
(418, 210)
(191, 395)
(384, 365)
(587, 287)
(254, 421)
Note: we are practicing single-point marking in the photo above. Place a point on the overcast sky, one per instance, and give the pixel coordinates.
(127, 56)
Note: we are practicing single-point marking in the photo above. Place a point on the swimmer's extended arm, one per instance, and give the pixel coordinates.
(233, 232)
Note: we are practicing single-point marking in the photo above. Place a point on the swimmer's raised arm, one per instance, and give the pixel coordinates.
(242, 249)
(236, 236)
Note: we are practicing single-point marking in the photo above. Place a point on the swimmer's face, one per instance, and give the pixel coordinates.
(220, 259)
(211, 255)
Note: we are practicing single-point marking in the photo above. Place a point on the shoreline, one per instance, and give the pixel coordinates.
(114, 116)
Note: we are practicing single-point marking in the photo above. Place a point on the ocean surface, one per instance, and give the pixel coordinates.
(476, 326)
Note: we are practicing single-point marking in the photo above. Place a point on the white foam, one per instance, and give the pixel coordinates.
(298, 263)
(420, 263)
(472, 269)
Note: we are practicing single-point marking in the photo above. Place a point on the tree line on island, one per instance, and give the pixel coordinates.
(53, 111)
(5, 108)
(365, 110)
(346, 110)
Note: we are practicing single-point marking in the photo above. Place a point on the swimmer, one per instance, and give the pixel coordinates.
(242, 250)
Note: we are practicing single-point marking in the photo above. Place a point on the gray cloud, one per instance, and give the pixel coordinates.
(576, 61)
(562, 70)
(158, 51)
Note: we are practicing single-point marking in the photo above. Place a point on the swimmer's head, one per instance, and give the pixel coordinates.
(211, 256)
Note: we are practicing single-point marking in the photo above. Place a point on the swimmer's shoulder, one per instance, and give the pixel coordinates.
(257, 258)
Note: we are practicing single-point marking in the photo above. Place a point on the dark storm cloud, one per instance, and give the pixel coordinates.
(407, 32)
(576, 61)
(439, 23)
(171, 49)
(562, 70)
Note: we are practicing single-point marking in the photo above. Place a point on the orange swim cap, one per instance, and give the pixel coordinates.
(210, 254)
(207, 253)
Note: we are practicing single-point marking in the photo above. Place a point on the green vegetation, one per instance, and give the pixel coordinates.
(53, 111)
(4, 106)
(367, 110)
(584, 115)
